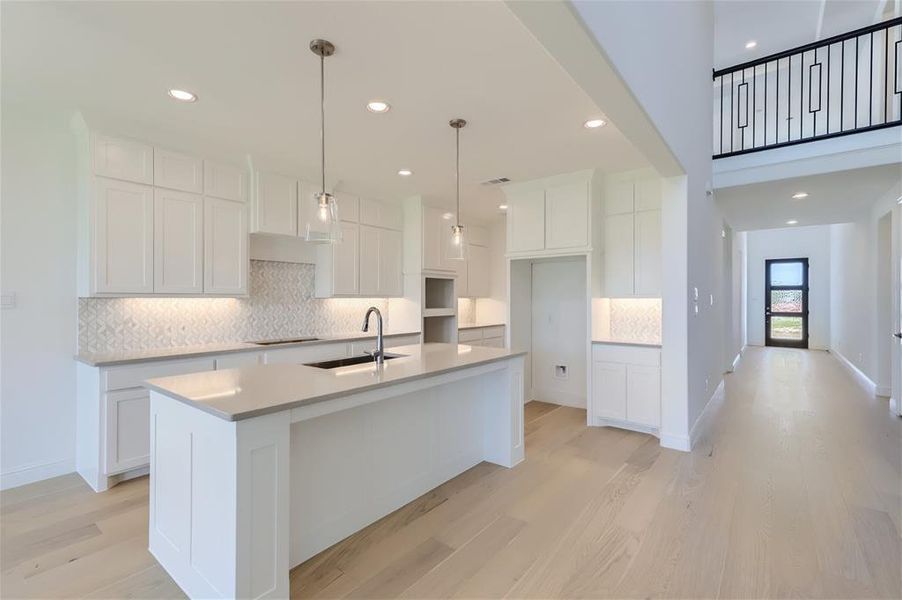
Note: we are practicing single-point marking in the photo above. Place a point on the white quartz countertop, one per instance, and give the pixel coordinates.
(622, 342)
(236, 394)
(479, 325)
(107, 359)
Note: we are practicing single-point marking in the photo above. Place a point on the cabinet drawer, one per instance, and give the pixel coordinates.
(493, 332)
(306, 354)
(469, 335)
(118, 378)
(634, 355)
(493, 342)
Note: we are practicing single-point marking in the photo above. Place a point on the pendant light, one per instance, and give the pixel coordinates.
(321, 208)
(457, 244)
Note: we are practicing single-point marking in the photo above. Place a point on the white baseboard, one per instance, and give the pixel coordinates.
(33, 473)
(628, 425)
(676, 442)
(559, 398)
(703, 420)
(894, 407)
(857, 373)
(737, 359)
(883, 391)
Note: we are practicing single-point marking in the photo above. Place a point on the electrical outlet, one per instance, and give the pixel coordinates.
(560, 371)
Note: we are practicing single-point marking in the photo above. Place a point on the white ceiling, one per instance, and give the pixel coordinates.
(838, 197)
(258, 88)
(779, 25)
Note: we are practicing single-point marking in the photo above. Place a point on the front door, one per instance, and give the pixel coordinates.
(786, 302)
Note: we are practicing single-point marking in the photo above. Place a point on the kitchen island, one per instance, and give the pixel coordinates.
(255, 470)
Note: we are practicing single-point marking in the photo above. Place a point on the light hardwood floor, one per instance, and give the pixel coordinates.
(793, 492)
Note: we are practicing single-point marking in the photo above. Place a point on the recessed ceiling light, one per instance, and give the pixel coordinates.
(502, 206)
(750, 44)
(378, 106)
(182, 95)
(593, 123)
(405, 172)
(792, 222)
(448, 216)
(799, 195)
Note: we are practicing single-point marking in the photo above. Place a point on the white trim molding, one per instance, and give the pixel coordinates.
(857, 373)
(686, 443)
(33, 473)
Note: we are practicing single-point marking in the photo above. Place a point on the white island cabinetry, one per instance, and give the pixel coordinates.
(255, 470)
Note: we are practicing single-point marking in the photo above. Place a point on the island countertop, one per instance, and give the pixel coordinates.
(236, 394)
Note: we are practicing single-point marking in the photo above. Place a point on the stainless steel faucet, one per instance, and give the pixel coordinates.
(379, 354)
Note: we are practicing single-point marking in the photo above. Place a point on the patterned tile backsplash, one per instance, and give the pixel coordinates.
(280, 304)
(636, 319)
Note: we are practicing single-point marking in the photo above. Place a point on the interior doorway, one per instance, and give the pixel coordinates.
(786, 302)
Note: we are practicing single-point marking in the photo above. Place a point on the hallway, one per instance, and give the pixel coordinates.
(795, 492)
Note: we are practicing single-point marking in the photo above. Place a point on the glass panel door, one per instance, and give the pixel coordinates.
(786, 302)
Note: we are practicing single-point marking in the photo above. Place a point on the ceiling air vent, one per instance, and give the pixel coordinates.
(496, 181)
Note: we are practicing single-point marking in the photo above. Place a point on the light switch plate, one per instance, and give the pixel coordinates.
(8, 300)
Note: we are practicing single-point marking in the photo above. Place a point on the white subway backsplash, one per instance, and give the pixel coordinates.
(280, 304)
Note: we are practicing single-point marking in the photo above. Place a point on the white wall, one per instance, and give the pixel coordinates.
(37, 370)
(559, 331)
(856, 327)
(812, 243)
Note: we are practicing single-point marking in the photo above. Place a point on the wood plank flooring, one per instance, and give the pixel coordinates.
(794, 491)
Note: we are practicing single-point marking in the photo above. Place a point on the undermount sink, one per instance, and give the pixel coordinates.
(286, 341)
(347, 362)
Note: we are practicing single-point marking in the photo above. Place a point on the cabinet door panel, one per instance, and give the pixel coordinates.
(178, 171)
(526, 221)
(123, 237)
(478, 272)
(643, 394)
(225, 246)
(122, 159)
(178, 242)
(276, 204)
(618, 197)
(648, 253)
(647, 194)
(346, 262)
(348, 207)
(436, 232)
(370, 261)
(127, 430)
(391, 282)
(567, 216)
(609, 390)
(380, 214)
(618, 256)
(225, 181)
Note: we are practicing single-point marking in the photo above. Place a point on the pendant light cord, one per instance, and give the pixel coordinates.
(457, 173)
(322, 118)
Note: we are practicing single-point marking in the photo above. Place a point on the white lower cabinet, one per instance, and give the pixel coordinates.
(113, 406)
(626, 386)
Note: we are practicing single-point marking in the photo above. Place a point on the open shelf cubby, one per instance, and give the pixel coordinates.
(440, 329)
(439, 294)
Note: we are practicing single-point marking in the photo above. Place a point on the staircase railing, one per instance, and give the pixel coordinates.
(845, 84)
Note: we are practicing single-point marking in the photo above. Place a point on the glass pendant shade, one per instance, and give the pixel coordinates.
(457, 243)
(323, 225)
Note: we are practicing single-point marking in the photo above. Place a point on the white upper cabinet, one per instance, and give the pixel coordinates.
(348, 206)
(123, 238)
(526, 221)
(183, 230)
(566, 216)
(391, 257)
(648, 253)
(275, 205)
(381, 214)
(436, 233)
(338, 265)
(551, 216)
(178, 171)
(225, 181)
(122, 159)
(225, 247)
(369, 261)
(178, 242)
(619, 269)
(632, 235)
(478, 265)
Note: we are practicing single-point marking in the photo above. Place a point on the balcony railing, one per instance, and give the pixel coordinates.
(845, 84)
